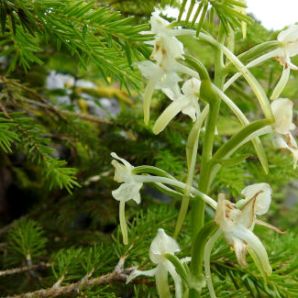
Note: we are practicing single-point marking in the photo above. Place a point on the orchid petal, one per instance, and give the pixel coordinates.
(123, 225)
(288, 35)
(240, 249)
(176, 278)
(161, 279)
(248, 212)
(125, 162)
(147, 100)
(262, 193)
(256, 245)
(135, 273)
(167, 115)
(162, 244)
(128, 191)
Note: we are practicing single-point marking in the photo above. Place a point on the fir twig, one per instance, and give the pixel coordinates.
(24, 269)
(118, 275)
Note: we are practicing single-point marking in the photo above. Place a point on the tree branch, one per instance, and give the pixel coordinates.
(24, 269)
(74, 287)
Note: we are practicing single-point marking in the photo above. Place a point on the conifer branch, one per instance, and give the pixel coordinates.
(118, 275)
(24, 269)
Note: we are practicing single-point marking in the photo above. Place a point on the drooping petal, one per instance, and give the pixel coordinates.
(162, 284)
(285, 75)
(161, 245)
(168, 114)
(176, 278)
(256, 245)
(147, 100)
(123, 225)
(240, 249)
(135, 273)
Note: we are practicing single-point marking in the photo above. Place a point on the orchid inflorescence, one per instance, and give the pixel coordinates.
(185, 85)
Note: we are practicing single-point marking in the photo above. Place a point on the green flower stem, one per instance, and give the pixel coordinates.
(198, 209)
(253, 63)
(191, 154)
(123, 225)
(254, 84)
(180, 185)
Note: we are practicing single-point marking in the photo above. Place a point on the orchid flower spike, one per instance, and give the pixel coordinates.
(161, 245)
(289, 41)
(282, 110)
(237, 225)
(128, 190)
(187, 103)
(164, 72)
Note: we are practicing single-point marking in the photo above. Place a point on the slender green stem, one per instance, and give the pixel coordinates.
(191, 154)
(208, 94)
(198, 211)
(178, 184)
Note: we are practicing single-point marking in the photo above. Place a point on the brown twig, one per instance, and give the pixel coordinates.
(119, 274)
(74, 287)
(24, 269)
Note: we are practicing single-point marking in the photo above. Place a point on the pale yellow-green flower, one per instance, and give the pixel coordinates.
(164, 71)
(187, 103)
(282, 109)
(162, 245)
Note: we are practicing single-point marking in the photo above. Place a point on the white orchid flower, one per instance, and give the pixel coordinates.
(161, 245)
(282, 110)
(164, 72)
(187, 103)
(289, 48)
(288, 39)
(128, 190)
(237, 225)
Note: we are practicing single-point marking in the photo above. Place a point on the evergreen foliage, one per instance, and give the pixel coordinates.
(55, 155)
